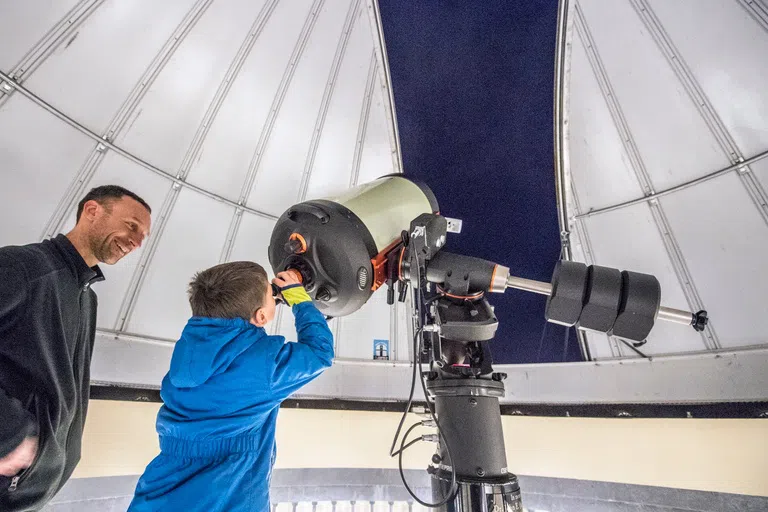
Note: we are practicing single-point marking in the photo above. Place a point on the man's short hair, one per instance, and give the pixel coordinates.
(107, 193)
(229, 290)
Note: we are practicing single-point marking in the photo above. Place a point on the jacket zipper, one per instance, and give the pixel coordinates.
(14, 483)
(76, 355)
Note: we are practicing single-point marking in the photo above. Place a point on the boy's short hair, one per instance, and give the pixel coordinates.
(228, 290)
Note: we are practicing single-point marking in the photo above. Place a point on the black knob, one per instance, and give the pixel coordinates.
(323, 294)
(294, 246)
(436, 459)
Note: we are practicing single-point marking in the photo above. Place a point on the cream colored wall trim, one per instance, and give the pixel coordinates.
(697, 454)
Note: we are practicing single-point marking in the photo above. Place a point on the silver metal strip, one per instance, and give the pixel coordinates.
(757, 10)
(676, 188)
(137, 280)
(76, 189)
(330, 88)
(562, 61)
(702, 104)
(563, 183)
(380, 48)
(120, 151)
(59, 33)
(638, 166)
(362, 127)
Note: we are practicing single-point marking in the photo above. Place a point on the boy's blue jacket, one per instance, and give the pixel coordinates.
(221, 398)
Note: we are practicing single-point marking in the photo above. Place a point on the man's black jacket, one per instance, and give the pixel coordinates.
(47, 329)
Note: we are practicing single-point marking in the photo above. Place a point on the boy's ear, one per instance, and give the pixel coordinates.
(259, 318)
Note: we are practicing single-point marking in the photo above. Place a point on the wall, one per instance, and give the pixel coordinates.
(729, 456)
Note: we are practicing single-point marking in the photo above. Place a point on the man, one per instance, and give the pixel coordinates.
(47, 331)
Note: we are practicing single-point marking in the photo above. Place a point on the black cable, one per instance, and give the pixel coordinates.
(392, 453)
(412, 442)
(454, 485)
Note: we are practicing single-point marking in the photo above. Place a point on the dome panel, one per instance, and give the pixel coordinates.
(598, 146)
(24, 23)
(288, 157)
(93, 75)
(252, 241)
(719, 42)
(192, 240)
(333, 163)
(41, 156)
(725, 249)
(376, 158)
(668, 140)
(761, 171)
(164, 124)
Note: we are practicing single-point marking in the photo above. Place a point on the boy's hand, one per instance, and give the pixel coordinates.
(291, 288)
(286, 278)
(20, 458)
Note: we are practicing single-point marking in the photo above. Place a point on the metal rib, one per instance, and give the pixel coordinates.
(120, 151)
(137, 281)
(98, 153)
(59, 33)
(675, 254)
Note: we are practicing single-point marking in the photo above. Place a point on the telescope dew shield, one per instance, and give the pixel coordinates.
(334, 242)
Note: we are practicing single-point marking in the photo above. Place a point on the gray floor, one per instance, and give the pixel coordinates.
(113, 494)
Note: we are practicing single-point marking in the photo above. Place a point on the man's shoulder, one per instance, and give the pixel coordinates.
(33, 260)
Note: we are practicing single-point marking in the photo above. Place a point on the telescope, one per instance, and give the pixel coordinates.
(389, 233)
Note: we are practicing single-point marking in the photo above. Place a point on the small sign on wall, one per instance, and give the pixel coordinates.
(381, 349)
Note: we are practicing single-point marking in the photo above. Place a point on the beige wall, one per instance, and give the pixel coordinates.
(710, 455)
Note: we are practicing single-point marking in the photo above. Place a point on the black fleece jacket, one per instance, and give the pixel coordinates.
(47, 330)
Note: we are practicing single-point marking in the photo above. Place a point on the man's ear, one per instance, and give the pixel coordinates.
(259, 318)
(90, 210)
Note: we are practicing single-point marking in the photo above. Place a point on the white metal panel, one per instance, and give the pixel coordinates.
(39, 156)
(279, 177)
(191, 241)
(229, 148)
(90, 78)
(253, 240)
(116, 170)
(725, 247)
(23, 23)
(671, 136)
(761, 171)
(726, 49)
(600, 167)
(165, 122)
(358, 330)
(628, 239)
(376, 159)
(335, 153)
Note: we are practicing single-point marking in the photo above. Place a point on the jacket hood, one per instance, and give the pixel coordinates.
(208, 346)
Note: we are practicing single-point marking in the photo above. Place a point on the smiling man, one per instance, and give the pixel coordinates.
(47, 330)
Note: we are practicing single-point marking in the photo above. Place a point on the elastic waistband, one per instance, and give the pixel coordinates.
(209, 447)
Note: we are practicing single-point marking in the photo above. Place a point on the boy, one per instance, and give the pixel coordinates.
(223, 391)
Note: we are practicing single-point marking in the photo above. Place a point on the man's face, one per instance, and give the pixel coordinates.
(116, 228)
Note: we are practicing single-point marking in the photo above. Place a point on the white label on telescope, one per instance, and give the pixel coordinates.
(454, 225)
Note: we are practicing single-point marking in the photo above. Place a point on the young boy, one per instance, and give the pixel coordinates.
(223, 391)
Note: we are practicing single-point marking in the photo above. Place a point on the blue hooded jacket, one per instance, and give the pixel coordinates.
(221, 399)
